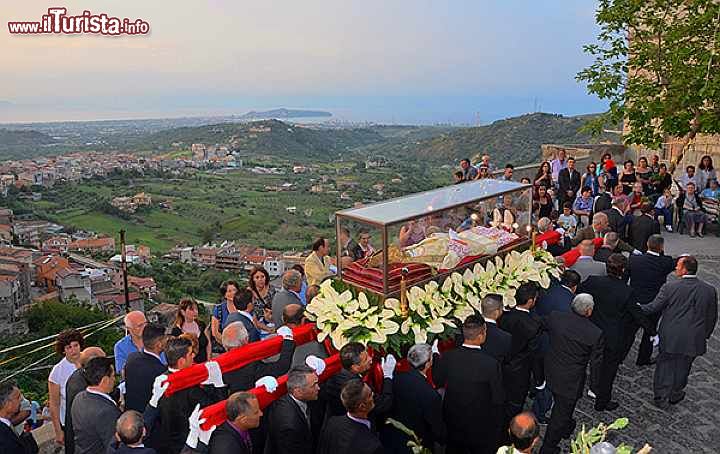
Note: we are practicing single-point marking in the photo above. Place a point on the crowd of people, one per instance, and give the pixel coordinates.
(506, 373)
(568, 196)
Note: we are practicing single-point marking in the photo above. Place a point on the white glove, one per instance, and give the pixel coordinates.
(316, 364)
(388, 366)
(196, 433)
(214, 375)
(560, 230)
(285, 332)
(121, 387)
(636, 252)
(160, 385)
(434, 348)
(269, 382)
(655, 340)
(541, 387)
(544, 245)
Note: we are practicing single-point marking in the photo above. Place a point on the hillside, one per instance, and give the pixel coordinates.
(15, 144)
(267, 137)
(516, 140)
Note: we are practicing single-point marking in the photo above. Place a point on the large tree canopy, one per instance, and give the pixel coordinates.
(657, 62)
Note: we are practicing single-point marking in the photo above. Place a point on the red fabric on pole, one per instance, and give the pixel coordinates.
(550, 237)
(237, 358)
(215, 414)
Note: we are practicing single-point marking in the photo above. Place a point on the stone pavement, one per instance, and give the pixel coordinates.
(692, 426)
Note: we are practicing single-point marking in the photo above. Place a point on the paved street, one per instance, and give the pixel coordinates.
(692, 425)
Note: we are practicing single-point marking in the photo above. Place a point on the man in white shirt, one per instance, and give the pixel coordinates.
(557, 164)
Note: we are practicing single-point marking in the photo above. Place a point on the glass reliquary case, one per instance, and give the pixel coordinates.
(431, 234)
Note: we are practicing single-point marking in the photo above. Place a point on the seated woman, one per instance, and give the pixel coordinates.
(583, 205)
(636, 198)
(693, 211)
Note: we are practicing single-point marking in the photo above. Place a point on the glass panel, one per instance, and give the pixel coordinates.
(435, 244)
(438, 199)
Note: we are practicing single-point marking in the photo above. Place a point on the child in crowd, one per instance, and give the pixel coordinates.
(567, 220)
(662, 208)
(266, 322)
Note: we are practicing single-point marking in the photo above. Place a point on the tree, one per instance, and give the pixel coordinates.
(657, 63)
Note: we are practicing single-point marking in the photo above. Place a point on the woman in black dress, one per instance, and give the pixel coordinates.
(187, 322)
(543, 205)
(627, 176)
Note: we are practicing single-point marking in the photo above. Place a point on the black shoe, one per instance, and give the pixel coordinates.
(662, 404)
(610, 406)
(678, 399)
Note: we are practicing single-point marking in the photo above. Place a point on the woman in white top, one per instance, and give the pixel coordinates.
(69, 343)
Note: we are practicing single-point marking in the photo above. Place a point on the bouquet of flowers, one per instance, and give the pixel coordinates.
(345, 315)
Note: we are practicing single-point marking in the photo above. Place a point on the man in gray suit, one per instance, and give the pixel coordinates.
(290, 294)
(586, 265)
(94, 412)
(689, 311)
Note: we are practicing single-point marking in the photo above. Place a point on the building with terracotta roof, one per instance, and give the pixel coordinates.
(102, 244)
(46, 269)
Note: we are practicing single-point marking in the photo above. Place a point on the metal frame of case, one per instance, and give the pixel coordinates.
(446, 199)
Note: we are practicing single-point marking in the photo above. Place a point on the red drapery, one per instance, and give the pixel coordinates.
(215, 414)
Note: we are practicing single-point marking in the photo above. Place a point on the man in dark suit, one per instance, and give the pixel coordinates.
(574, 342)
(617, 219)
(689, 311)
(10, 398)
(142, 367)
(170, 427)
(610, 242)
(243, 300)
(289, 294)
(643, 226)
(614, 313)
(129, 434)
(603, 201)
(473, 407)
(294, 317)
(290, 427)
(233, 436)
(94, 412)
(498, 343)
(560, 294)
(568, 182)
(235, 336)
(74, 386)
(525, 356)
(415, 404)
(598, 229)
(352, 433)
(356, 362)
(648, 272)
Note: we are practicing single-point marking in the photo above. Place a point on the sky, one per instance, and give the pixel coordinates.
(391, 61)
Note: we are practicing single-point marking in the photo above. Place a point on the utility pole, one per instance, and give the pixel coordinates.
(124, 270)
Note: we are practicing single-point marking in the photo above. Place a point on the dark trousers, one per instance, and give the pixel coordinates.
(561, 424)
(607, 373)
(646, 347)
(671, 375)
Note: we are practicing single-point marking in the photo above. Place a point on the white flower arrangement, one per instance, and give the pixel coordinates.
(432, 308)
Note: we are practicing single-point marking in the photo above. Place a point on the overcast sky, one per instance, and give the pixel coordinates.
(411, 61)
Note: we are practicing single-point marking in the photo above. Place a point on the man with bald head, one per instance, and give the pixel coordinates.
(134, 322)
(75, 385)
(586, 265)
(524, 434)
(129, 434)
